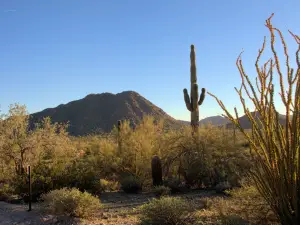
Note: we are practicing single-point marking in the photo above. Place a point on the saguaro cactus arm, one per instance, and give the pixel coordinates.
(187, 100)
(202, 96)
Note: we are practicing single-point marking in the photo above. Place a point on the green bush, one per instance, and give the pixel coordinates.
(215, 158)
(5, 192)
(103, 185)
(43, 180)
(161, 190)
(71, 202)
(131, 184)
(175, 185)
(166, 211)
(244, 206)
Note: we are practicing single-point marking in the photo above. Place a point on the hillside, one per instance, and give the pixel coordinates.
(245, 122)
(214, 120)
(100, 112)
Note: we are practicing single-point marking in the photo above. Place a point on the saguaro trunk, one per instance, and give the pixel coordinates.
(193, 100)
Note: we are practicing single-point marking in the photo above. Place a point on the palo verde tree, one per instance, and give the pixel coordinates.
(275, 147)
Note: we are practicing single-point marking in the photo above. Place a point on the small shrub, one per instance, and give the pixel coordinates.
(166, 211)
(161, 190)
(40, 185)
(233, 220)
(71, 202)
(131, 184)
(175, 185)
(5, 192)
(103, 185)
(109, 185)
(244, 206)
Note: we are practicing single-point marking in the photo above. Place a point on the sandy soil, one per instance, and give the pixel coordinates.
(119, 208)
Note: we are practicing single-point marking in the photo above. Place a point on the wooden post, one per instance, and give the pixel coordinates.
(29, 189)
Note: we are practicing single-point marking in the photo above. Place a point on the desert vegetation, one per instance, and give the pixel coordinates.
(254, 175)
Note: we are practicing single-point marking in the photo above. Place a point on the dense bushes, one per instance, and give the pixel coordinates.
(131, 184)
(97, 163)
(5, 192)
(71, 202)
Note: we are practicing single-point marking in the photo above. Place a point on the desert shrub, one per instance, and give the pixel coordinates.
(233, 220)
(6, 192)
(71, 202)
(244, 206)
(109, 185)
(137, 147)
(83, 174)
(131, 184)
(161, 190)
(214, 158)
(175, 185)
(103, 185)
(44, 178)
(166, 211)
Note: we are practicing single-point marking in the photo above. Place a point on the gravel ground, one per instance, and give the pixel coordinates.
(118, 209)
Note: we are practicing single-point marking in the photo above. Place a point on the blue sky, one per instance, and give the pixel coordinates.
(56, 51)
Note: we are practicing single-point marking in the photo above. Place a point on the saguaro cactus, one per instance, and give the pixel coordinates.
(156, 171)
(192, 100)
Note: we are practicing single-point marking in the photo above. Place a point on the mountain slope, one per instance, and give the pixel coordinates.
(100, 112)
(214, 120)
(246, 124)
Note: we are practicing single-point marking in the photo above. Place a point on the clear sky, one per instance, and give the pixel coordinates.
(56, 51)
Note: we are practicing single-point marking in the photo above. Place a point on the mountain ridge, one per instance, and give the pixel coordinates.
(96, 113)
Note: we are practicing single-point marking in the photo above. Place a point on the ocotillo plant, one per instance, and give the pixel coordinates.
(275, 147)
(192, 100)
(156, 171)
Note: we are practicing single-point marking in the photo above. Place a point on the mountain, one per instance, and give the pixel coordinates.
(220, 120)
(98, 113)
(246, 124)
(183, 122)
(214, 120)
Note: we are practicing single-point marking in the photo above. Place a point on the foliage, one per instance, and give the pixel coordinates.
(6, 192)
(244, 206)
(103, 185)
(131, 184)
(209, 160)
(71, 202)
(275, 147)
(166, 211)
(59, 160)
(161, 190)
(174, 184)
(138, 147)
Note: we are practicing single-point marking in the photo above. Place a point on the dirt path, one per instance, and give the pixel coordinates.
(116, 206)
